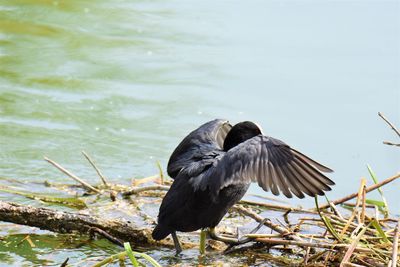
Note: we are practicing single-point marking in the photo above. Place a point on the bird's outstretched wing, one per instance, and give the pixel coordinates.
(202, 141)
(273, 165)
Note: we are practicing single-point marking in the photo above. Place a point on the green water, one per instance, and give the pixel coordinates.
(126, 80)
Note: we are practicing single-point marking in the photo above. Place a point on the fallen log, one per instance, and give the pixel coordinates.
(68, 222)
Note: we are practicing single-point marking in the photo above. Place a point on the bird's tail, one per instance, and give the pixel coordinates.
(160, 232)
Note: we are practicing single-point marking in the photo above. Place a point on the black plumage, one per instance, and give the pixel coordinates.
(214, 165)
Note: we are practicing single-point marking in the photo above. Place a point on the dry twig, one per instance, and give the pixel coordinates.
(103, 179)
(367, 190)
(73, 176)
(390, 143)
(273, 241)
(276, 207)
(145, 188)
(390, 124)
(277, 228)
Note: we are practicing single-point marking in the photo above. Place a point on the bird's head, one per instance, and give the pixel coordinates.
(240, 133)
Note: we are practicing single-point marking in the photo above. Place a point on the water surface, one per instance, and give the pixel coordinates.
(126, 81)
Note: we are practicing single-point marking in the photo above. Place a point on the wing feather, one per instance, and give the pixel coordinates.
(303, 182)
(318, 165)
(283, 186)
(301, 170)
(311, 182)
(318, 175)
(283, 173)
(275, 178)
(260, 173)
(273, 165)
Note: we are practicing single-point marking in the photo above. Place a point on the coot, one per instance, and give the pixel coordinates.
(213, 167)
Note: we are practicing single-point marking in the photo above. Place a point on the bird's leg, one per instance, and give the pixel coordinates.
(202, 248)
(176, 242)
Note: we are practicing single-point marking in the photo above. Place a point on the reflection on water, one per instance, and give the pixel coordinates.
(127, 80)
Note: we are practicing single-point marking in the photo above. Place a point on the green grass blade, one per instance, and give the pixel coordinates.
(327, 222)
(378, 227)
(132, 254)
(380, 204)
(129, 252)
(110, 259)
(375, 179)
(375, 203)
(148, 258)
(330, 227)
(160, 171)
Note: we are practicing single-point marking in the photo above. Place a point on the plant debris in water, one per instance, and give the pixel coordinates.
(362, 233)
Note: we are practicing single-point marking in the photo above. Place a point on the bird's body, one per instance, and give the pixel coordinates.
(186, 210)
(214, 165)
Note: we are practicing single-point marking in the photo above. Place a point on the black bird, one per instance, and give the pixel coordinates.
(213, 167)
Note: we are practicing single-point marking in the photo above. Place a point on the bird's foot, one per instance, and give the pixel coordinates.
(215, 236)
(248, 239)
(234, 241)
